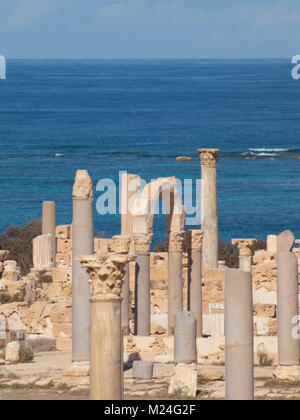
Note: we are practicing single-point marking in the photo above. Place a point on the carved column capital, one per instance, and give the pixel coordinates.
(194, 239)
(120, 244)
(106, 273)
(245, 246)
(142, 242)
(208, 157)
(83, 187)
(176, 241)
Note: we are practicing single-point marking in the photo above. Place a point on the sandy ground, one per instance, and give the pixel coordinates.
(50, 366)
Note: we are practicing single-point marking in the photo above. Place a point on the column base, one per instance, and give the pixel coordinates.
(183, 383)
(287, 373)
(77, 375)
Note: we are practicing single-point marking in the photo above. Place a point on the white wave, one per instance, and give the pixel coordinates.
(268, 150)
(59, 154)
(264, 154)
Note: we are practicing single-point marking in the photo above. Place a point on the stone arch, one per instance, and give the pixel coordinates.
(144, 206)
(2, 67)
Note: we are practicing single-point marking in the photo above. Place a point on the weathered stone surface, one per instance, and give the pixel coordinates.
(285, 241)
(264, 310)
(83, 186)
(63, 232)
(184, 381)
(194, 239)
(176, 241)
(272, 244)
(287, 373)
(142, 242)
(64, 344)
(211, 375)
(12, 352)
(62, 330)
(106, 273)
(60, 275)
(120, 244)
(6, 374)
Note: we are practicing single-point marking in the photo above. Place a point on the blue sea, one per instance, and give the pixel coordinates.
(106, 116)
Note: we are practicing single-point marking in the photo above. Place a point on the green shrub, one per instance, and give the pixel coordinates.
(26, 353)
(19, 242)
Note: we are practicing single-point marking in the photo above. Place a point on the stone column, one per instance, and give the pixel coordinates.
(121, 245)
(287, 306)
(49, 225)
(208, 159)
(245, 247)
(142, 244)
(185, 329)
(239, 335)
(175, 283)
(82, 244)
(106, 367)
(43, 251)
(49, 218)
(131, 185)
(194, 247)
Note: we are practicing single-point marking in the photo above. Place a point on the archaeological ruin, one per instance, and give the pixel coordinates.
(175, 316)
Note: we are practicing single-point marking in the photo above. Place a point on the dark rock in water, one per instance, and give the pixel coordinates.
(183, 158)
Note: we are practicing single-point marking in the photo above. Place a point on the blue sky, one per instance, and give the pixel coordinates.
(149, 28)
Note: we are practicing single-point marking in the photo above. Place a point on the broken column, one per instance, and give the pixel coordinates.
(209, 204)
(239, 335)
(185, 330)
(245, 247)
(106, 367)
(142, 242)
(287, 307)
(194, 248)
(49, 218)
(43, 252)
(49, 225)
(82, 244)
(121, 245)
(184, 379)
(175, 282)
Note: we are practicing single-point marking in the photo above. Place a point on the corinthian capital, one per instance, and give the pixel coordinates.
(208, 157)
(245, 246)
(176, 241)
(106, 273)
(83, 187)
(194, 239)
(142, 242)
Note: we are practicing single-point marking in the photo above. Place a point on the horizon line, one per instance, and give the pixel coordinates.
(145, 58)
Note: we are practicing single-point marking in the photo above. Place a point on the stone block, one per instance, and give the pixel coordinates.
(183, 383)
(64, 246)
(142, 370)
(64, 344)
(12, 352)
(59, 275)
(63, 259)
(62, 330)
(264, 310)
(61, 316)
(52, 289)
(63, 232)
